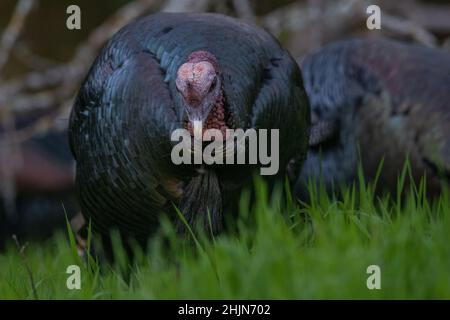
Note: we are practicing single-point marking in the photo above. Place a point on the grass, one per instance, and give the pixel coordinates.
(276, 249)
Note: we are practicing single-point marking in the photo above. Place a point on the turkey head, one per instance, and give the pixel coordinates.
(199, 82)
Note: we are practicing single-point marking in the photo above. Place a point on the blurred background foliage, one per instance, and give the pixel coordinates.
(47, 34)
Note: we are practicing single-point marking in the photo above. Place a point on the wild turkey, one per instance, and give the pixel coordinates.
(159, 74)
(391, 99)
(43, 184)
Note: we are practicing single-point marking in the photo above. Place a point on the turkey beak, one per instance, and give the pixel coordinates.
(198, 114)
(196, 118)
(195, 113)
(197, 128)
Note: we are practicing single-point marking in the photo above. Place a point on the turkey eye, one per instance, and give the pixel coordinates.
(213, 85)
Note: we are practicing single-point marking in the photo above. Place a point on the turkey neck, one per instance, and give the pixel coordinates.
(216, 118)
(201, 203)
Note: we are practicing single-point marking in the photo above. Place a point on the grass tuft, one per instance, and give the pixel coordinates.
(277, 248)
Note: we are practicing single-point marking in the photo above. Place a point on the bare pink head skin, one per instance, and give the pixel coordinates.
(199, 84)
